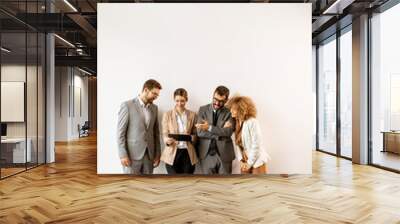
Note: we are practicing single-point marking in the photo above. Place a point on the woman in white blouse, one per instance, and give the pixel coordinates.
(248, 135)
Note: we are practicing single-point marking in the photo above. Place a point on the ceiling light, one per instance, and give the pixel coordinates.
(338, 6)
(5, 50)
(84, 71)
(70, 5)
(64, 40)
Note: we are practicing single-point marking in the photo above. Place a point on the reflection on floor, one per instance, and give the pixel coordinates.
(70, 191)
(386, 159)
(346, 152)
(11, 169)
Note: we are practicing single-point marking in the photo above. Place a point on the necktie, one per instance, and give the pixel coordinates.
(213, 144)
(215, 118)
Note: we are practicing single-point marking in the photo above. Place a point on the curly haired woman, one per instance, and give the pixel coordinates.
(248, 135)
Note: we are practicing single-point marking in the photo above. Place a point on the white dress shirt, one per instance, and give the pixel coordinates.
(146, 111)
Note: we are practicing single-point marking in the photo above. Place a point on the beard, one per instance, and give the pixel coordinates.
(216, 106)
(150, 99)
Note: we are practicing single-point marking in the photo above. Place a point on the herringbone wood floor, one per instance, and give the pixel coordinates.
(70, 191)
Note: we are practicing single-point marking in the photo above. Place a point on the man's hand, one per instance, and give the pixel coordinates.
(228, 124)
(156, 162)
(203, 126)
(125, 161)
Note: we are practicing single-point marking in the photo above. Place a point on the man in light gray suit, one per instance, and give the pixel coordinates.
(138, 134)
(215, 146)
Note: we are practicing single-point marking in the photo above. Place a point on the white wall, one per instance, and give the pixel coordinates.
(61, 103)
(254, 49)
(68, 82)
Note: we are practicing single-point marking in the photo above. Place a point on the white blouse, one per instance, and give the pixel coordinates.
(252, 143)
(182, 122)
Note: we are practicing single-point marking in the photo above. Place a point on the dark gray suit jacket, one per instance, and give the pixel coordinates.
(133, 137)
(222, 135)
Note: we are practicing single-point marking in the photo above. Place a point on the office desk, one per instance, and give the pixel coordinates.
(13, 150)
(391, 142)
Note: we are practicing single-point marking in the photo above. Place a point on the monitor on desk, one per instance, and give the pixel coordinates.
(3, 130)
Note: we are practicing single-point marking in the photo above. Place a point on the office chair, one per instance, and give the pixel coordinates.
(84, 130)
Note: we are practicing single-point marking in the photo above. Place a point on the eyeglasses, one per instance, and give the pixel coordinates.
(155, 93)
(219, 101)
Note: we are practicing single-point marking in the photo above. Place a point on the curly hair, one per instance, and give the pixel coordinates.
(245, 109)
(244, 106)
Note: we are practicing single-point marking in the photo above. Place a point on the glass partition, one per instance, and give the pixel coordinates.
(14, 153)
(22, 77)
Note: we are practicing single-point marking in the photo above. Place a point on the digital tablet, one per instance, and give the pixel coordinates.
(181, 137)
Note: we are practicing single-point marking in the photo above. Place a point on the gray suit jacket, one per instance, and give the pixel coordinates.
(222, 135)
(133, 136)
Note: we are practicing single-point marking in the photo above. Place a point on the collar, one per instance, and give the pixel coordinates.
(177, 113)
(142, 103)
(214, 110)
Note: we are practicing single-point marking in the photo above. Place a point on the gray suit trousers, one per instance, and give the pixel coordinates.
(212, 164)
(138, 167)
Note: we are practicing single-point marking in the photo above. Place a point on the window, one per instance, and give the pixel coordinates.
(385, 89)
(346, 93)
(327, 96)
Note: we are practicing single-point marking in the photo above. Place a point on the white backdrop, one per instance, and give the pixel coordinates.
(259, 50)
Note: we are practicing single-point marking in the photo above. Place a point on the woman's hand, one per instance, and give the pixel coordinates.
(244, 167)
(244, 156)
(170, 141)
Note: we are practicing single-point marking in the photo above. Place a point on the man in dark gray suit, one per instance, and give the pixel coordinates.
(138, 134)
(215, 146)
